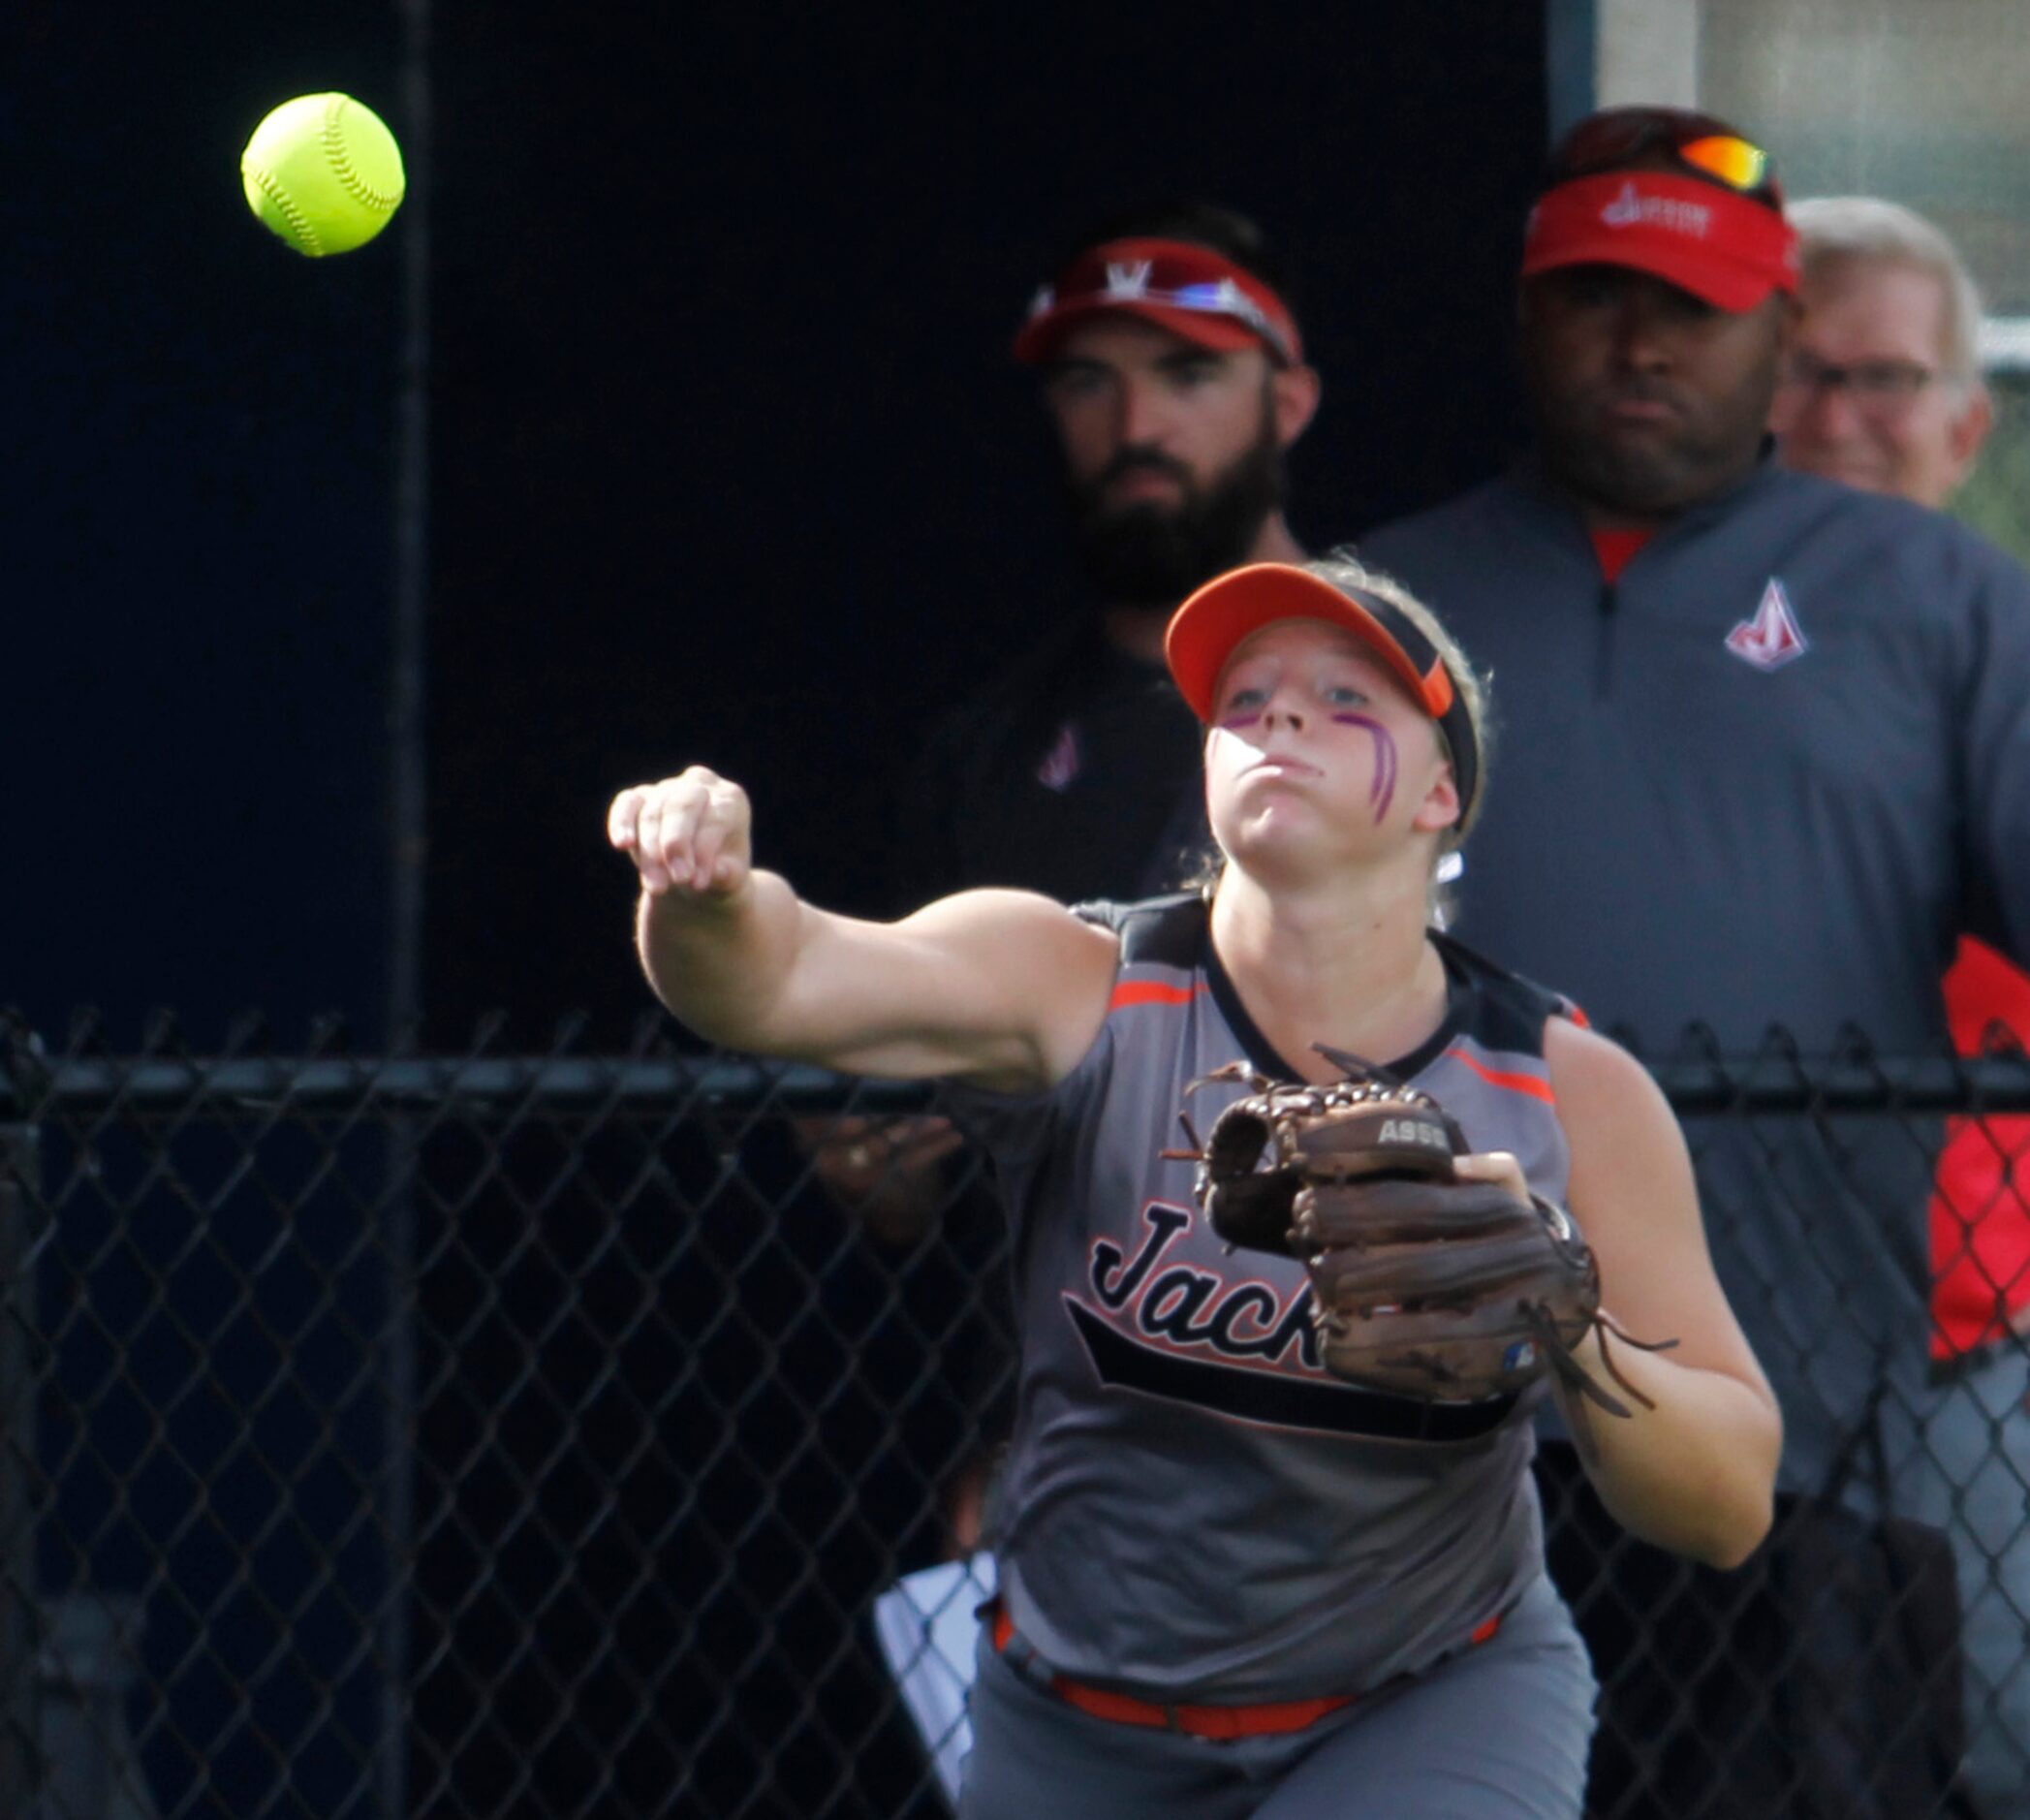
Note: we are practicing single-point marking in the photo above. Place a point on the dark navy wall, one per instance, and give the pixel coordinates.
(731, 464)
(196, 528)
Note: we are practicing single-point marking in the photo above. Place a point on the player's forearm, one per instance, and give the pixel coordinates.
(1697, 1474)
(722, 962)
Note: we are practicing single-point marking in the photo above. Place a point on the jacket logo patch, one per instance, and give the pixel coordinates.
(1063, 762)
(1773, 637)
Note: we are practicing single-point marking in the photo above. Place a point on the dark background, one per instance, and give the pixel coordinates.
(726, 461)
(730, 462)
(194, 531)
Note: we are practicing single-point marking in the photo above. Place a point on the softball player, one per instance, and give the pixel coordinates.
(1232, 1584)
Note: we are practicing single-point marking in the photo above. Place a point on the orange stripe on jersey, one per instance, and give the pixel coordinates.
(1150, 992)
(1536, 1088)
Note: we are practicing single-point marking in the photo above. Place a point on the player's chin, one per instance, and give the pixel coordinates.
(1281, 842)
(1261, 786)
(1273, 816)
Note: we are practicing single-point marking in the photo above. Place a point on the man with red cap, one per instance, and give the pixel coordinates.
(1884, 390)
(1171, 367)
(1772, 743)
(1172, 372)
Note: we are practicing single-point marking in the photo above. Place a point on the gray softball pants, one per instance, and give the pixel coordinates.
(1499, 1731)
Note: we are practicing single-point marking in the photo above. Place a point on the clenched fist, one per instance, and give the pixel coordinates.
(692, 830)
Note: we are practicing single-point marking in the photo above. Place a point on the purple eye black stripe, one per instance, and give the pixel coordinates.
(1382, 792)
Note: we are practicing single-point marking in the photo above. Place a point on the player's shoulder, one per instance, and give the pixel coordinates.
(1166, 931)
(1498, 1008)
(1594, 1078)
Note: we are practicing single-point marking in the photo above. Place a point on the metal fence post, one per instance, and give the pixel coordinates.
(19, 1640)
(396, 1347)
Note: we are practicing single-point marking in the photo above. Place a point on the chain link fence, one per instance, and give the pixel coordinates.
(537, 1436)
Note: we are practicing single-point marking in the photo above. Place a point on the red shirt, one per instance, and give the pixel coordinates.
(1980, 1210)
(1616, 550)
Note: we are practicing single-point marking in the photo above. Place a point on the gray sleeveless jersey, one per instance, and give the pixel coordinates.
(1192, 1505)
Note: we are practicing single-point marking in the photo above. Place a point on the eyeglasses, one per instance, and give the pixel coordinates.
(1613, 140)
(1880, 388)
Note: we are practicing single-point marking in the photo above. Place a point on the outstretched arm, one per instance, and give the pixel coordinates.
(1697, 1472)
(1000, 986)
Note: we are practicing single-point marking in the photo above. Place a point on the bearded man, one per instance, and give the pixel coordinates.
(1172, 372)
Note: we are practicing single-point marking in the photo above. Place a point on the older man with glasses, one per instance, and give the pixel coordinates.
(1882, 391)
(1773, 752)
(1883, 387)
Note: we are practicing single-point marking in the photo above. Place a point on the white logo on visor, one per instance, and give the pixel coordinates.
(1128, 281)
(1632, 209)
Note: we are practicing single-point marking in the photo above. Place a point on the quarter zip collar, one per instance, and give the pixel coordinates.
(1535, 482)
(1532, 478)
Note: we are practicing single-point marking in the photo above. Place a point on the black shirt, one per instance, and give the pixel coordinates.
(1076, 775)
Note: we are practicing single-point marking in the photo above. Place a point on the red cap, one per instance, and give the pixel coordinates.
(1190, 289)
(1722, 246)
(1204, 632)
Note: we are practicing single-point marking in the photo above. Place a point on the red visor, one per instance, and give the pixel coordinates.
(1190, 289)
(1204, 632)
(1727, 248)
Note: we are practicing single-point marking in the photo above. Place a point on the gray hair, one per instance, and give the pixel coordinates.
(1833, 228)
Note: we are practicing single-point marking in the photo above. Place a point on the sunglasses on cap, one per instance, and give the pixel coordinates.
(1194, 291)
(1709, 147)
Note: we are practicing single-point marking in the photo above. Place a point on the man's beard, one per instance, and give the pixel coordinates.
(1147, 554)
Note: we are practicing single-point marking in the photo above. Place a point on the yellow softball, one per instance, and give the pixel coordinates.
(324, 173)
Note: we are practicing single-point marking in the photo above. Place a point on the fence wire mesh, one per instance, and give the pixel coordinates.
(548, 1436)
